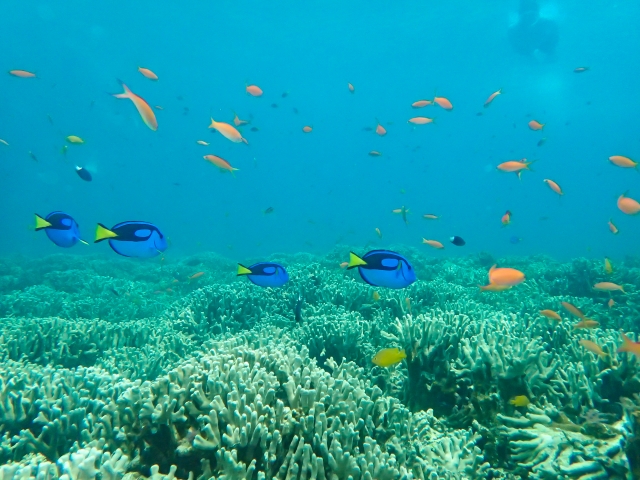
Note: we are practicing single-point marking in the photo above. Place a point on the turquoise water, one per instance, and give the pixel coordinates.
(94, 347)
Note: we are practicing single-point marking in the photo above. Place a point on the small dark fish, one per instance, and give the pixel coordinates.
(254, 129)
(50, 119)
(295, 110)
(515, 240)
(84, 174)
(185, 111)
(180, 97)
(285, 94)
(33, 157)
(114, 291)
(274, 105)
(457, 241)
(542, 219)
(541, 141)
(368, 129)
(297, 310)
(91, 105)
(268, 211)
(479, 114)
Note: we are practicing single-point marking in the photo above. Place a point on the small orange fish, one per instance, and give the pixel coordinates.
(196, 276)
(611, 303)
(494, 288)
(145, 111)
(344, 264)
(147, 73)
(506, 218)
(421, 103)
(554, 186)
(228, 131)
(443, 103)
(535, 125)
(551, 314)
(374, 153)
(608, 287)
(608, 267)
(430, 216)
(613, 228)
(586, 323)
(219, 162)
(624, 162)
(421, 120)
(253, 90)
(573, 310)
(307, 129)
(433, 243)
(237, 122)
(580, 69)
(628, 205)
(380, 130)
(505, 276)
(630, 346)
(492, 97)
(202, 142)
(376, 296)
(515, 166)
(407, 302)
(592, 347)
(379, 232)
(352, 89)
(22, 73)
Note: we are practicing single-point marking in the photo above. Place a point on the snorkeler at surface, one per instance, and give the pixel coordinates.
(533, 35)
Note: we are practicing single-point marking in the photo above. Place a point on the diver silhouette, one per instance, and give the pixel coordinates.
(532, 34)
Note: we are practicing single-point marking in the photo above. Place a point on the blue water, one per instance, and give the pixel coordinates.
(323, 186)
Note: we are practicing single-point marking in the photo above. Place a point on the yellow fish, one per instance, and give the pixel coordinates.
(608, 268)
(74, 139)
(388, 356)
(520, 401)
(376, 296)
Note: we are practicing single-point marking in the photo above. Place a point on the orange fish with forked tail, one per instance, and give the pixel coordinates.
(22, 74)
(506, 219)
(628, 205)
(630, 346)
(421, 103)
(443, 102)
(432, 243)
(420, 120)
(253, 90)
(554, 186)
(380, 130)
(550, 314)
(147, 73)
(492, 97)
(220, 162)
(505, 276)
(535, 125)
(228, 131)
(145, 111)
(624, 162)
(515, 166)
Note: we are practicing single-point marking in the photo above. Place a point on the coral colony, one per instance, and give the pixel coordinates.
(111, 369)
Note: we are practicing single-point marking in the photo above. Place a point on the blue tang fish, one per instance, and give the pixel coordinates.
(265, 274)
(515, 240)
(60, 228)
(383, 268)
(133, 239)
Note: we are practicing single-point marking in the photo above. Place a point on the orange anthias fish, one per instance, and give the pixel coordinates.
(613, 228)
(228, 131)
(608, 287)
(611, 303)
(515, 166)
(344, 264)
(237, 122)
(402, 211)
(202, 142)
(630, 346)
(376, 296)
(443, 103)
(592, 347)
(493, 288)
(492, 97)
(433, 243)
(145, 111)
(421, 103)
(551, 315)
(586, 323)
(628, 205)
(573, 310)
(22, 73)
(624, 162)
(352, 89)
(220, 163)
(196, 276)
(307, 129)
(506, 219)
(147, 73)
(553, 186)
(420, 120)
(253, 90)
(505, 276)
(535, 125)
(380, 130)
